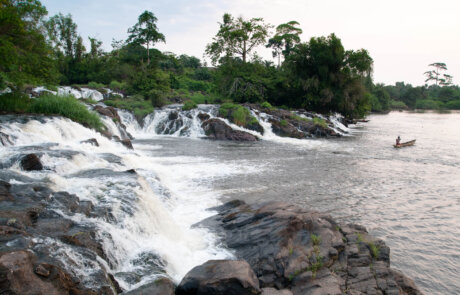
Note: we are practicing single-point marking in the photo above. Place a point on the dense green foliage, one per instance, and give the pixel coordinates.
(136, 104)
(318, 75)
(67, 106)
(49, 104)
(237, 114)
(424, 97)
(188, 105)
(25, 56)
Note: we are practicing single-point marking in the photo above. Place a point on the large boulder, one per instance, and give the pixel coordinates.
(218, 129)
(20, 273)
(110, 112)
(230, 277)
(31, 162)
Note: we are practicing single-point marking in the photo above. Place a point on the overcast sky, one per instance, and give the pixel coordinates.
(402, 36)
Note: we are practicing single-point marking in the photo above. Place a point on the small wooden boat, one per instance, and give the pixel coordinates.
(404, 144)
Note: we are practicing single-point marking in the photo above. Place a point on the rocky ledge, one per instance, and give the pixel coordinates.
(283, 249)
(280, 249)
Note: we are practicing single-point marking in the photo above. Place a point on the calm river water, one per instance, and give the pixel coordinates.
(409, 197)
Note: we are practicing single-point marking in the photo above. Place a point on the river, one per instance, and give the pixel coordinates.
(409, 197)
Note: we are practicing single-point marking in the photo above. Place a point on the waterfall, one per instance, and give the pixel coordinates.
(148, 232)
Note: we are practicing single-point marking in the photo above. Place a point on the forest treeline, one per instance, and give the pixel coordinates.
(318, 74)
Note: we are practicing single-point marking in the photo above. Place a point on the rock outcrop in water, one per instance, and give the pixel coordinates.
(218, 129)
(27, 218)
(303, 252)
(300, 124)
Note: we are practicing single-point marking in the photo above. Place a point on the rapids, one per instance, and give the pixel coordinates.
(408, 197)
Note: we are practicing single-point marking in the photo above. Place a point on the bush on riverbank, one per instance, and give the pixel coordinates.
(136, 104)
(66, 106)
(14, 102)
(188, 105)
(237, 114)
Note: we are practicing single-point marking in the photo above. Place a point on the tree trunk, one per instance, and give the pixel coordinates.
(244, 51)
(148, 54)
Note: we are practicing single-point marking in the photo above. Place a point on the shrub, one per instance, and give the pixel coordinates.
(14, 102)
(188, 105)
(266, 105)
(66, 106)
(315, 239)
(237, 114)
(118, 86)
(320, 122)
(399, 105)
(283, 123)
(428, 104)
(453, 105)
(135, 104)
(95, 85)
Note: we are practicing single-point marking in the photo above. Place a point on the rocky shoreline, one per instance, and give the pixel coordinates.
(280, 249)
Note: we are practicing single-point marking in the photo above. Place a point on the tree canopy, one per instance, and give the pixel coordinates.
(237, 37)
(145, 32)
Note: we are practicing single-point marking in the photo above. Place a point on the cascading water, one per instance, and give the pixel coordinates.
(146, 217)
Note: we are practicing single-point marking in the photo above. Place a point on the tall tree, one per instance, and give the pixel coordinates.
(435, 75)
(237, 37)
(145, 32)
(62, 32)
(286, 37)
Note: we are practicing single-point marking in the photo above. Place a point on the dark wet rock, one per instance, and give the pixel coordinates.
(172, 125)
(231, 277)
(31, 162)
(5, 194)
(173, 116)
(126, 142)
(110, 112)
(5, 139)
(406, 285)
(131, 171)
(92, 141)
(218, 129)
(163, 286)
(19, 276)
(307, 252)
(285, 129)
(203, 117)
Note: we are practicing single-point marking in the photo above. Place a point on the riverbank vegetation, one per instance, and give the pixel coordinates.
(318, 74)
(49, 104)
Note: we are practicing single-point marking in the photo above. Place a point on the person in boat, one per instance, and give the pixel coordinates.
(398, 140)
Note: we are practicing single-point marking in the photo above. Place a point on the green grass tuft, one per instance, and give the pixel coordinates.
(136, 104)
(320, 122)
(316, 240)
(66, 106)
(14, 102)
(188, 105)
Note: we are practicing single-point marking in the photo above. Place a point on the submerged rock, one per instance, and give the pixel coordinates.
(31, 162)
(228, 277)
(92, 141)
(218, 129)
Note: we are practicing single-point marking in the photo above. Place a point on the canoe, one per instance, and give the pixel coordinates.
(404, 144)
